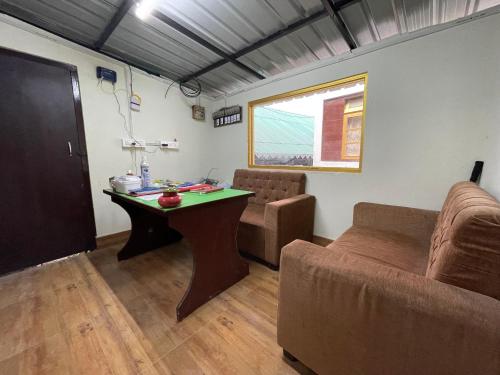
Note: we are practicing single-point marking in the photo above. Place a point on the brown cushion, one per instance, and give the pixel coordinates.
(465, 245)
(384, 247)
(269, 185)
(253, 214)
(252, 240)
(251, 232)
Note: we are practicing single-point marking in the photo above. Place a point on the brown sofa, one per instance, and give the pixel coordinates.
(378, 301)
(279, 213)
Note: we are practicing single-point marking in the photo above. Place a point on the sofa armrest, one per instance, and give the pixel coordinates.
(342, 314)
(414, 222)
(287, 220)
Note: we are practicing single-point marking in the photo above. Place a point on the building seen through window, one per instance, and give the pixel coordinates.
(319, 127)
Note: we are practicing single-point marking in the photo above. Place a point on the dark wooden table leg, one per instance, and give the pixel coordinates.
(148, 232)
(211, 232)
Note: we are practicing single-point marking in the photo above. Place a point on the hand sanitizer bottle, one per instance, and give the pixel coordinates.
(145, 174)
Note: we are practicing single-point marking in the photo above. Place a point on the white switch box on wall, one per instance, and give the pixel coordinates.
(133, 143)
(172, 145)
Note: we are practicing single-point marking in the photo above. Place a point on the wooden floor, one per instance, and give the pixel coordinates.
(89, 314)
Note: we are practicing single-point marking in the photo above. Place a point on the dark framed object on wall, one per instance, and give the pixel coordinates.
(227, 116)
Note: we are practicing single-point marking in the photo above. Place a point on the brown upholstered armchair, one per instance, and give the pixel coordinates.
(403, 291)
(279, 213)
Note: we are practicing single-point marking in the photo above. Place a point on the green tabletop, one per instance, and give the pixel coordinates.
(188, 198)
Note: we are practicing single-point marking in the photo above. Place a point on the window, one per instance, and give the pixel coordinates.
(318, 128)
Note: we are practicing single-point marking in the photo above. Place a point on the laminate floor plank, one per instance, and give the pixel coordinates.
(90, 314)
(49, 358)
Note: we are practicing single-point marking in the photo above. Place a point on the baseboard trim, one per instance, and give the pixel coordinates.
(269, 265)
(112, 239)
(321, 241)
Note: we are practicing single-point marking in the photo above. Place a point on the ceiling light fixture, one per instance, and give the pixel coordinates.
(145, 8)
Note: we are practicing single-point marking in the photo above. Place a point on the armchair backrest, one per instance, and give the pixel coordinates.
(269, 185)
(465, 245)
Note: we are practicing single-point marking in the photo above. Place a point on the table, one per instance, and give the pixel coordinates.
(209, 223)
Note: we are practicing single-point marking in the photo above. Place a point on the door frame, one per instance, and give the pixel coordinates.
(81, 152)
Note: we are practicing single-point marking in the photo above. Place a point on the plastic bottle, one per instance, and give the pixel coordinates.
(145, 174)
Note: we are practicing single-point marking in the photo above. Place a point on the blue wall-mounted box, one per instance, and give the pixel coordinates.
(106, 74)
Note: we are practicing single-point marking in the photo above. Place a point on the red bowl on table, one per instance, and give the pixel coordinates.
(169, 199)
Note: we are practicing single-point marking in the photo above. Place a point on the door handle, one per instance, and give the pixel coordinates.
(70, 150)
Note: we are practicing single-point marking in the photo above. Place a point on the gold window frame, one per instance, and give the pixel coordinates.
(300, 92)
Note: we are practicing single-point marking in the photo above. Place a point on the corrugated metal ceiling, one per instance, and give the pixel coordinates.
(231, 25)
(82, 21)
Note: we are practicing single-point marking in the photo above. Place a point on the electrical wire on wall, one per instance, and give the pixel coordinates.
(130, 98)
(131, 81)
(168, 89)
(130, 112)
(187, 91)
(128, 125)
(114, 93)
(192, 89)
(128, 129)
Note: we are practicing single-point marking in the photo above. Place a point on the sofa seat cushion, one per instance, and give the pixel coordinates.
(384, 247)
(254, 215)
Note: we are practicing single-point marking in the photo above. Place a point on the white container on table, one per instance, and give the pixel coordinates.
(125, 184)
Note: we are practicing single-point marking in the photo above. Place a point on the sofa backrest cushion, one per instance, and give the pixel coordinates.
(269, 185)
(465, 245)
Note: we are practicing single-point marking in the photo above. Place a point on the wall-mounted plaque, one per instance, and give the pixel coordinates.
(227, 116)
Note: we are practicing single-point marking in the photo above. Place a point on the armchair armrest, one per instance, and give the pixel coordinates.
(342, 314)
(287, 220)
(414, 222)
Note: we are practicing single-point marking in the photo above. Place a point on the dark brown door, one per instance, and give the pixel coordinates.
(45, 201)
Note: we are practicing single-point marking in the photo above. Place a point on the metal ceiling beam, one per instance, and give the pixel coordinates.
(342, 3)
(333, 7)
(284, 32)
(115, 21)
(146, 69)
(188, 33)
(336, 5)
(261, 43)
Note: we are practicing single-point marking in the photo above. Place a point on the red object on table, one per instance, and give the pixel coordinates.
(169, 199)
(207, 189)
(192, 187)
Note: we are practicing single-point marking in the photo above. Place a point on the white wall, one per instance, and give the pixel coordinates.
(433, 108)
(158, 119)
